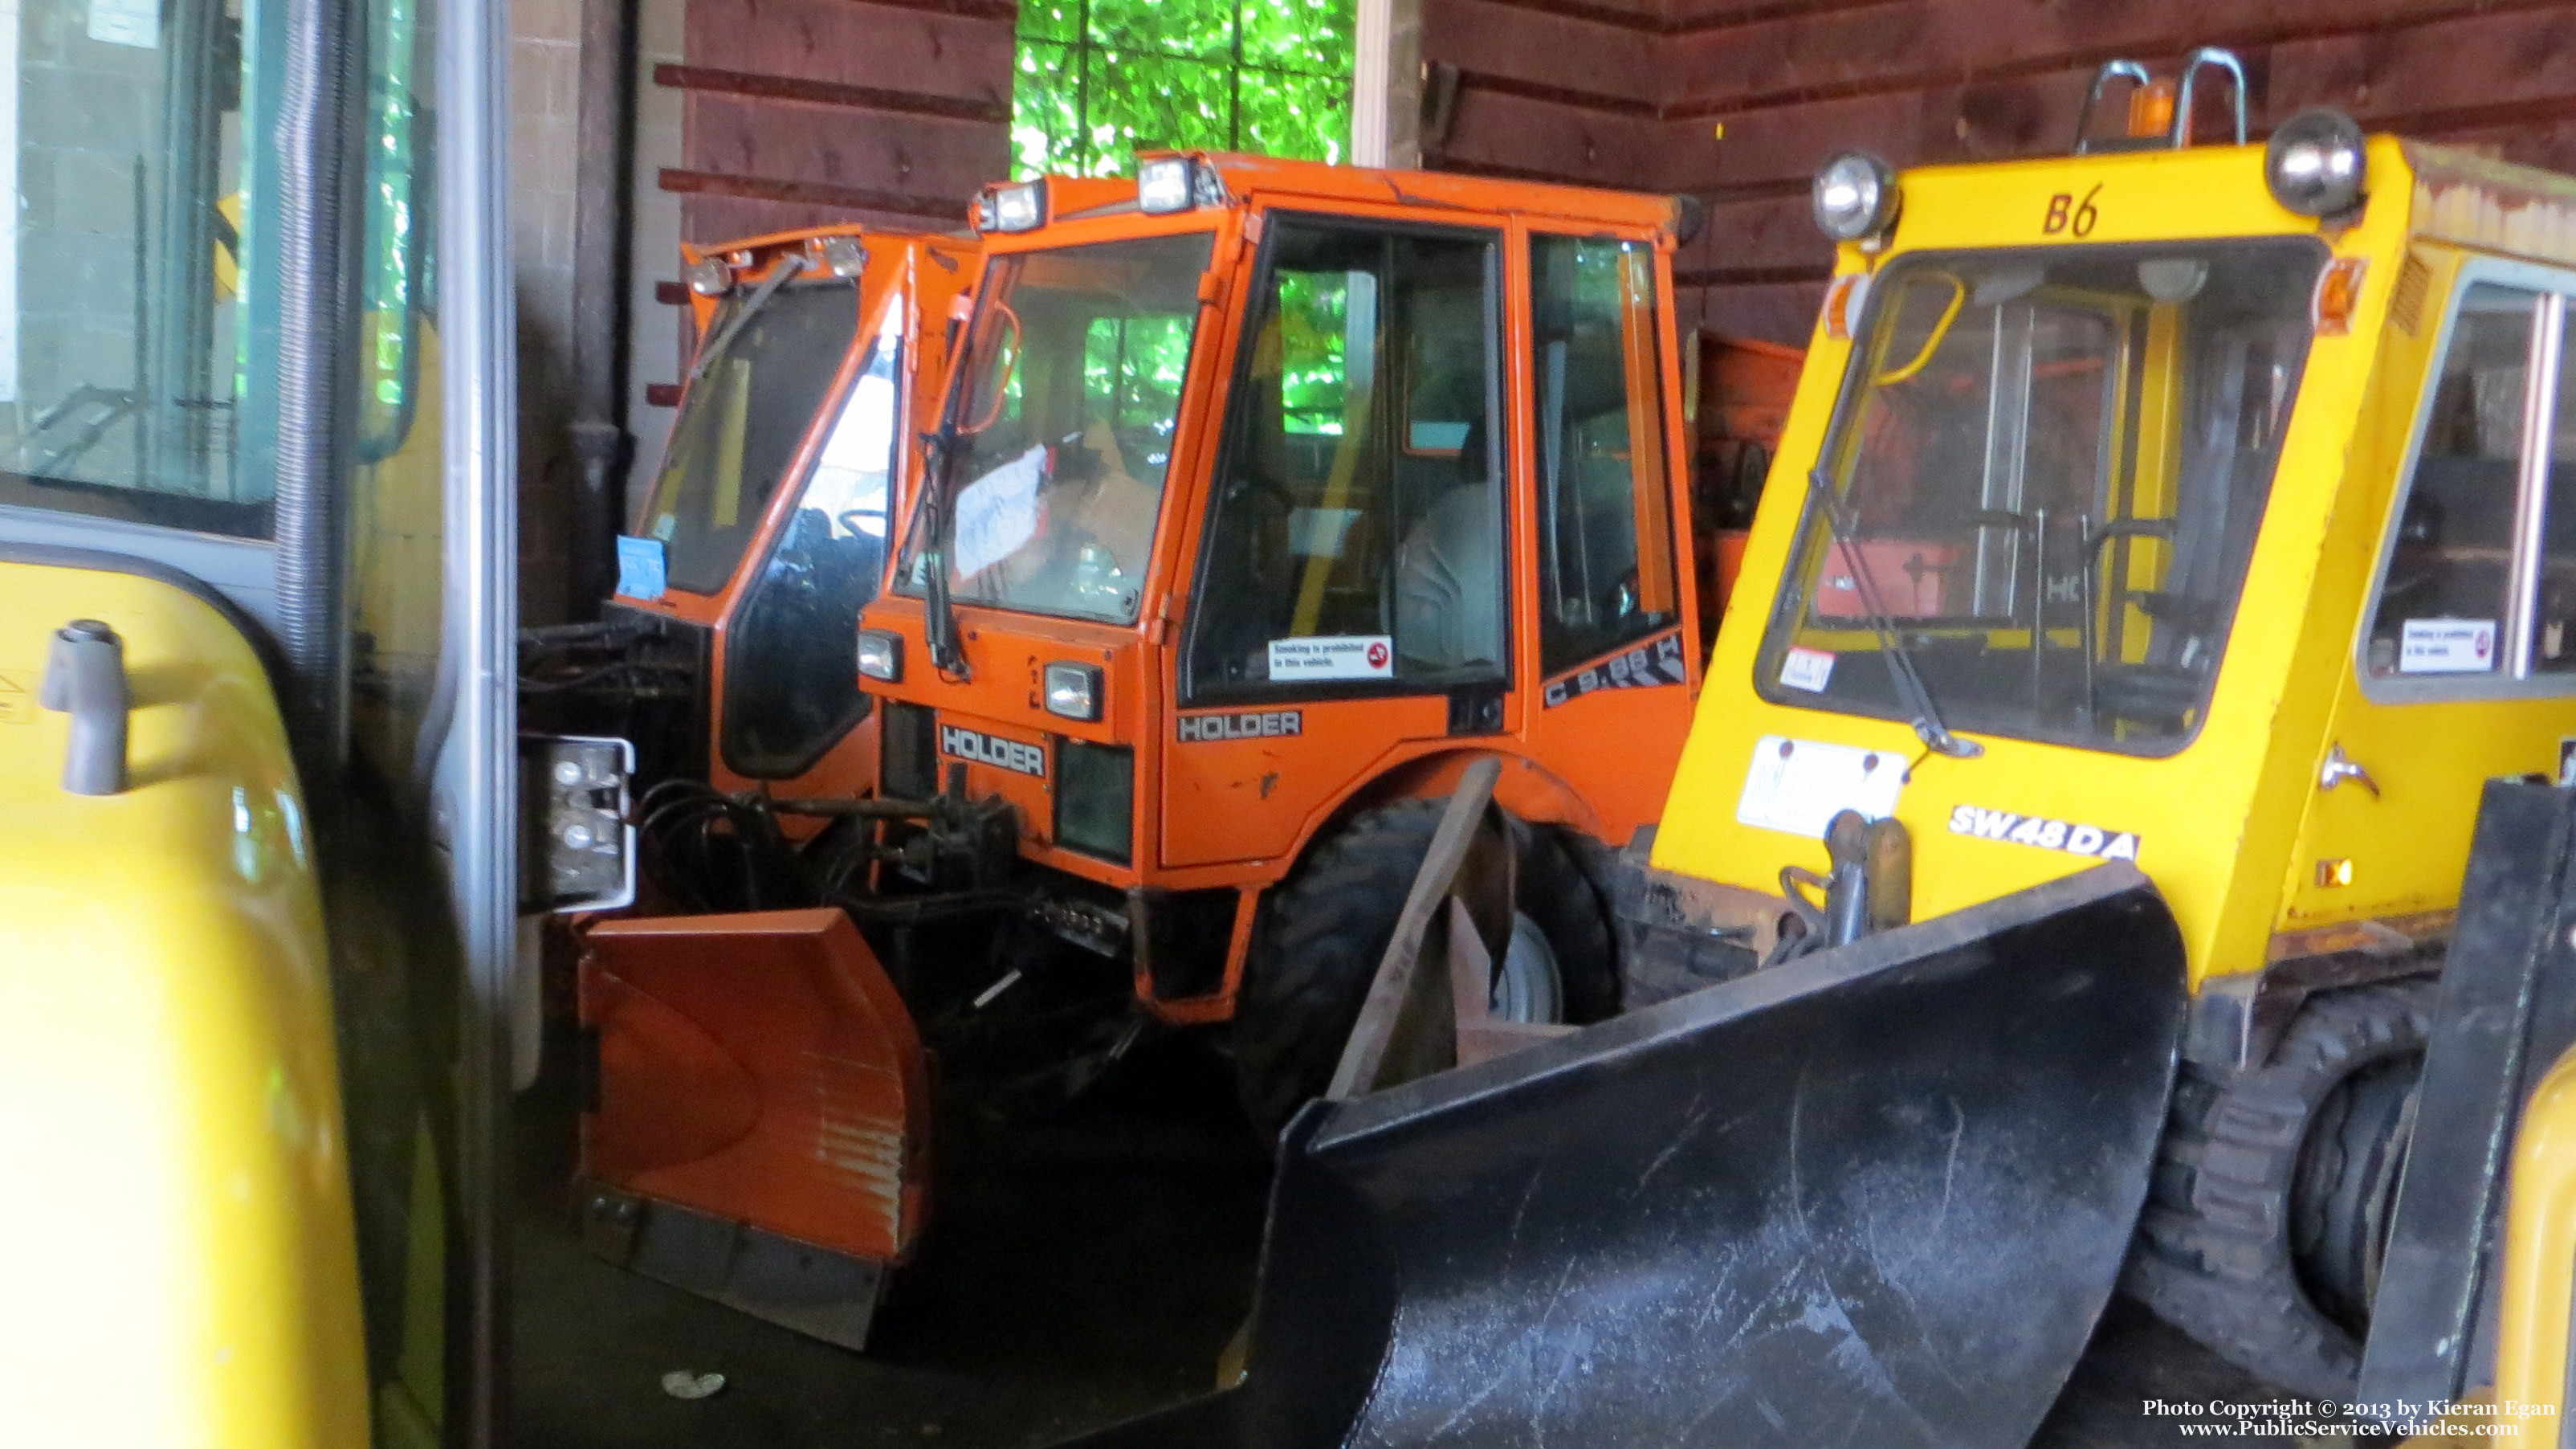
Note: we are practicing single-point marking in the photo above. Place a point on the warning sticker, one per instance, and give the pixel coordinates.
(1807, 669)
(2447, 646)
(1333, 656)
(17, 698)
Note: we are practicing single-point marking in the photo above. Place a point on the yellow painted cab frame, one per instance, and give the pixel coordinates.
(2265, 864)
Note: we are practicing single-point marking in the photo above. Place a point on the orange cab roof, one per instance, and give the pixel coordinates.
(1248, 178)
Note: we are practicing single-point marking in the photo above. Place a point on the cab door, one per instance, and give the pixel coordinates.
(2466, 658)
(1613, 657)
(1349, 597)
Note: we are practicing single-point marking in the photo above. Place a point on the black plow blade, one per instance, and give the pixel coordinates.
(1875, 1197)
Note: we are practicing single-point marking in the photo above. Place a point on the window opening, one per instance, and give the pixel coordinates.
(1605, 533)
(2049, 469)
(1095, 81)
(1358, 533)
(790, 688)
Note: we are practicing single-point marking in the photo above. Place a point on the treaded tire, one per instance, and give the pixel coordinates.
(1324, 928)
(2219, 1255)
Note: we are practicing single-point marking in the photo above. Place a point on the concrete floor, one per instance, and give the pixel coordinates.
(1086, 1264)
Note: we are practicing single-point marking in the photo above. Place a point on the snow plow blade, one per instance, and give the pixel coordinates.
(758, 1114)
(1876, 1196)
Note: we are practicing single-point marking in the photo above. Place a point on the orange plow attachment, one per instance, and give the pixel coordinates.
(756, 1122)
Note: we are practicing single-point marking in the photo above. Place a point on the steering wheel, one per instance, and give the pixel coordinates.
(1624, 596)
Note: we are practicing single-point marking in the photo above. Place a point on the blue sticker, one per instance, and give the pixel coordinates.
(640, 572)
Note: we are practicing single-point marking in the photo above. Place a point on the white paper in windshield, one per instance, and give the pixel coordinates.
(2447, 646)
(998, 513)
(1799, 785)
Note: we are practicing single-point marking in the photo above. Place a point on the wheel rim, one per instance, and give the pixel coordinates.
(1530, 988)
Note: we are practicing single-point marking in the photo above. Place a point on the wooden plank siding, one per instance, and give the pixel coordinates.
(803, 112)
(1634, 93)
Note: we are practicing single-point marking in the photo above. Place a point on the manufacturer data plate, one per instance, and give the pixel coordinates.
(1797, 785)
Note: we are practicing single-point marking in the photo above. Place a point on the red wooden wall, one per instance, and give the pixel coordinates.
(1633, 93)
(800, 112)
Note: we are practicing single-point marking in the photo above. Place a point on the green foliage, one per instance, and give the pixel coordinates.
(1099, 80)
(1132, 369)
(1314, 381)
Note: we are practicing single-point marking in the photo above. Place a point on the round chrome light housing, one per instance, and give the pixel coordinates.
(2315, 163)
(842, 255)
(1855, 197)
(710, 277)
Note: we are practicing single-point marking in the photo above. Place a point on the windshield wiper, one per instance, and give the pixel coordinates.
(930, 513)
(1892, 648)
(787, 266)
(932, 526)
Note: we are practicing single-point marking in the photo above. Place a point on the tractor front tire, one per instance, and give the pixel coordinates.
(1323, 930)
(2262, 1234)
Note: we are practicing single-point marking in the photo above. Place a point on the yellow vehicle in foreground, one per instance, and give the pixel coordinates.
(2196, 507)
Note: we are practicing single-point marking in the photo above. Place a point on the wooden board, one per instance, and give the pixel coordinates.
(802, 112)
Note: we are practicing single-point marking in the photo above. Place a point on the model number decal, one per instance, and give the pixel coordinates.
(2044, 833)
(2068, 215)
(992, 750)
(1657, 661)
(1250, 725)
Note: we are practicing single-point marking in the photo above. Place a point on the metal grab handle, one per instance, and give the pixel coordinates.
(85, 678)
(2340, 767)
(2207, 55)
(2127, 70)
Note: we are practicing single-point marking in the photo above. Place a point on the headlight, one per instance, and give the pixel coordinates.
(2315, 163)
(842, 255)
(1163, 185)
(710, 277)
(880, 655)
(1012, 208)
(1855, 197)
(1073, 691)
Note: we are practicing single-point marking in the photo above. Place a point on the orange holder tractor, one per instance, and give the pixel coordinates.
(1264, 499)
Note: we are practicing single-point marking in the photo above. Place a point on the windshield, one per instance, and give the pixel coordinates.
(747, 408)
(2047, 471)
(1073, 388)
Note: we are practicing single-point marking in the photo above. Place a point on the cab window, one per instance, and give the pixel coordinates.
(1357, 543)
(2041, 488)
(2479, 588)
(1068, 400)
(790, 686)
(1606, 576)
(753, 392)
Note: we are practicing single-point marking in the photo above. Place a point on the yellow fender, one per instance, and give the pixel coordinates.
(181, 1267)
(2539, 1261)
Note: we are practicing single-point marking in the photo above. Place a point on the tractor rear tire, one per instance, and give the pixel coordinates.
(1323, 930)
(2262, 1234)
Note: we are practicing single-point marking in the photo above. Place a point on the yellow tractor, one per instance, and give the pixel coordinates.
(2192, 506)
(2062, 884)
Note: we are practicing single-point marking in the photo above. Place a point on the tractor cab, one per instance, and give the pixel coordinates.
(725, 652)
(1270, 494)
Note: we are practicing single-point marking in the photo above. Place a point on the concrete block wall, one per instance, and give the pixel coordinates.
(545, 105)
